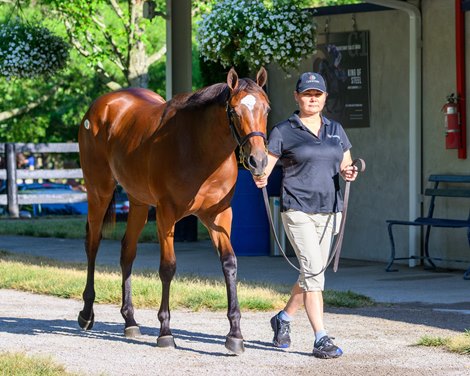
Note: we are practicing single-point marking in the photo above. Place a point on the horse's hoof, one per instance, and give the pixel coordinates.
(84, 323)
(235, 345)
(166, 341)
(132, 331)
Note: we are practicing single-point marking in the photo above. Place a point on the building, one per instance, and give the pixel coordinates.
(413, 60)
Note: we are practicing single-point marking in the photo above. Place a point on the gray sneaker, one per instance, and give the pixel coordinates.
(326, 349)
(281, 330)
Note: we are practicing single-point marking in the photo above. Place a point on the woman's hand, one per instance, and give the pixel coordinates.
(349, 173)
(261, 181)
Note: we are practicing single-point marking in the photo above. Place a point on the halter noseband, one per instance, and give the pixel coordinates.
(241, 141)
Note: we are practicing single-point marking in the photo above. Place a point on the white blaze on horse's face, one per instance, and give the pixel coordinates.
(249, 101)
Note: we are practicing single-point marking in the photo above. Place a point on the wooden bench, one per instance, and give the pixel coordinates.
(450, 189)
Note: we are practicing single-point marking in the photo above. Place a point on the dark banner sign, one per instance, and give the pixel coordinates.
(343, 60)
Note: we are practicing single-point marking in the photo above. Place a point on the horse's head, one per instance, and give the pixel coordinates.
(247, 110)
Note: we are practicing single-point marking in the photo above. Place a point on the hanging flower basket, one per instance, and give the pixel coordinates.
(246, 31)
(28, 51)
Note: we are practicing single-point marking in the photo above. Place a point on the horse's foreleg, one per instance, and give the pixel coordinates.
(135, 223)
(220, 234)
(234, 341)
(96, 213)
(167, 271)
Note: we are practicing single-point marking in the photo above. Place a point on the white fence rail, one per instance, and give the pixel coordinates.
(10, 174)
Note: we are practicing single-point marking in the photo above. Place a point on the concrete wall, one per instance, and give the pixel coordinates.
(382, 192)
(439, 80)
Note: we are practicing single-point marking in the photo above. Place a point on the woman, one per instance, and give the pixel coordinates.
(313, 151)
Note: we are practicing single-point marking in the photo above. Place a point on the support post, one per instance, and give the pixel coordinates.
(179, 79)
(461, 79)
(179, 48)
(12, 189)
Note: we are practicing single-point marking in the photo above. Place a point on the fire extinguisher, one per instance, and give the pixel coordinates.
(452, 122)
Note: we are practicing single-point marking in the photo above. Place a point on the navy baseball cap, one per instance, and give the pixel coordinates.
(310, 81)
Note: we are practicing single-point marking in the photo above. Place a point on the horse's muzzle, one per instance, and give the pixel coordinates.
(257, 163)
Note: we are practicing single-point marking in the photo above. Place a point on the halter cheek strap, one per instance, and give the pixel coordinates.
(241, 141)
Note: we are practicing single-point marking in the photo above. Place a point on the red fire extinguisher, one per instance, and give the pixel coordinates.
(452, 122)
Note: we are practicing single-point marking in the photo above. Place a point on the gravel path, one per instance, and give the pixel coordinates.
(377, 341)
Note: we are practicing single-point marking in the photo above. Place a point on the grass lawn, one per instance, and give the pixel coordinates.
(73, 227)
(67, 280)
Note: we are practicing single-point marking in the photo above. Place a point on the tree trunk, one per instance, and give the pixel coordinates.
(137, 75)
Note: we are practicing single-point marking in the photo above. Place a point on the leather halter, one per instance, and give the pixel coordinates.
(241, 141)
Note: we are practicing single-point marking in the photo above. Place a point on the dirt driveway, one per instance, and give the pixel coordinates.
(377, 341)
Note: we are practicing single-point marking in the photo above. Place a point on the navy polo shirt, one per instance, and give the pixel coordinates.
(310, 164)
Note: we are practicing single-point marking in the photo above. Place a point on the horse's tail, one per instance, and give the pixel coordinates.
(109, 220)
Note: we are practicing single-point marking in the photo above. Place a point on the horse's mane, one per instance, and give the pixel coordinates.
(214, 94)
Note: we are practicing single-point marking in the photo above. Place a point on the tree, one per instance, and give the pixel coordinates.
(118, 41)
(114, 46)
(103, 58)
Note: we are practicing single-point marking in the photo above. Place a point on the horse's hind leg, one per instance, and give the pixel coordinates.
(135, 223)
(98, 203)
(219, 230)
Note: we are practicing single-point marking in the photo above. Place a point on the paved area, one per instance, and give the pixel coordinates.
(404, 286)
(377, 341)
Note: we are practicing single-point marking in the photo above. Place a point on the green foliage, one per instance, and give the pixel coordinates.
(60, 100)
(57, 118)
(80, 12)
(58, 103)
(157, 77)
(212, 72)
(429, 341)
(106, 35)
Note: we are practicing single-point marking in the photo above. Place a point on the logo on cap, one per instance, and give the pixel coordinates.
(311, 78)
(310, 81)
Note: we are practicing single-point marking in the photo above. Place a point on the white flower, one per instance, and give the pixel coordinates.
(281, 34)
(30, 50)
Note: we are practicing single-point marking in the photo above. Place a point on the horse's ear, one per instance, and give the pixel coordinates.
(232, 79)
(262, 77)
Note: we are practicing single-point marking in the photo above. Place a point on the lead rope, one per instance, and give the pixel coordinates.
(336, 249)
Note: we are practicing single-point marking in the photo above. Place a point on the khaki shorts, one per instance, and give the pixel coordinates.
(311, 236)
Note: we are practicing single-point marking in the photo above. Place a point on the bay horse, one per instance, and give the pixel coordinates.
(178, 156)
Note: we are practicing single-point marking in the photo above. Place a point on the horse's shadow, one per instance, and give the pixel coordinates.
(110, 331)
